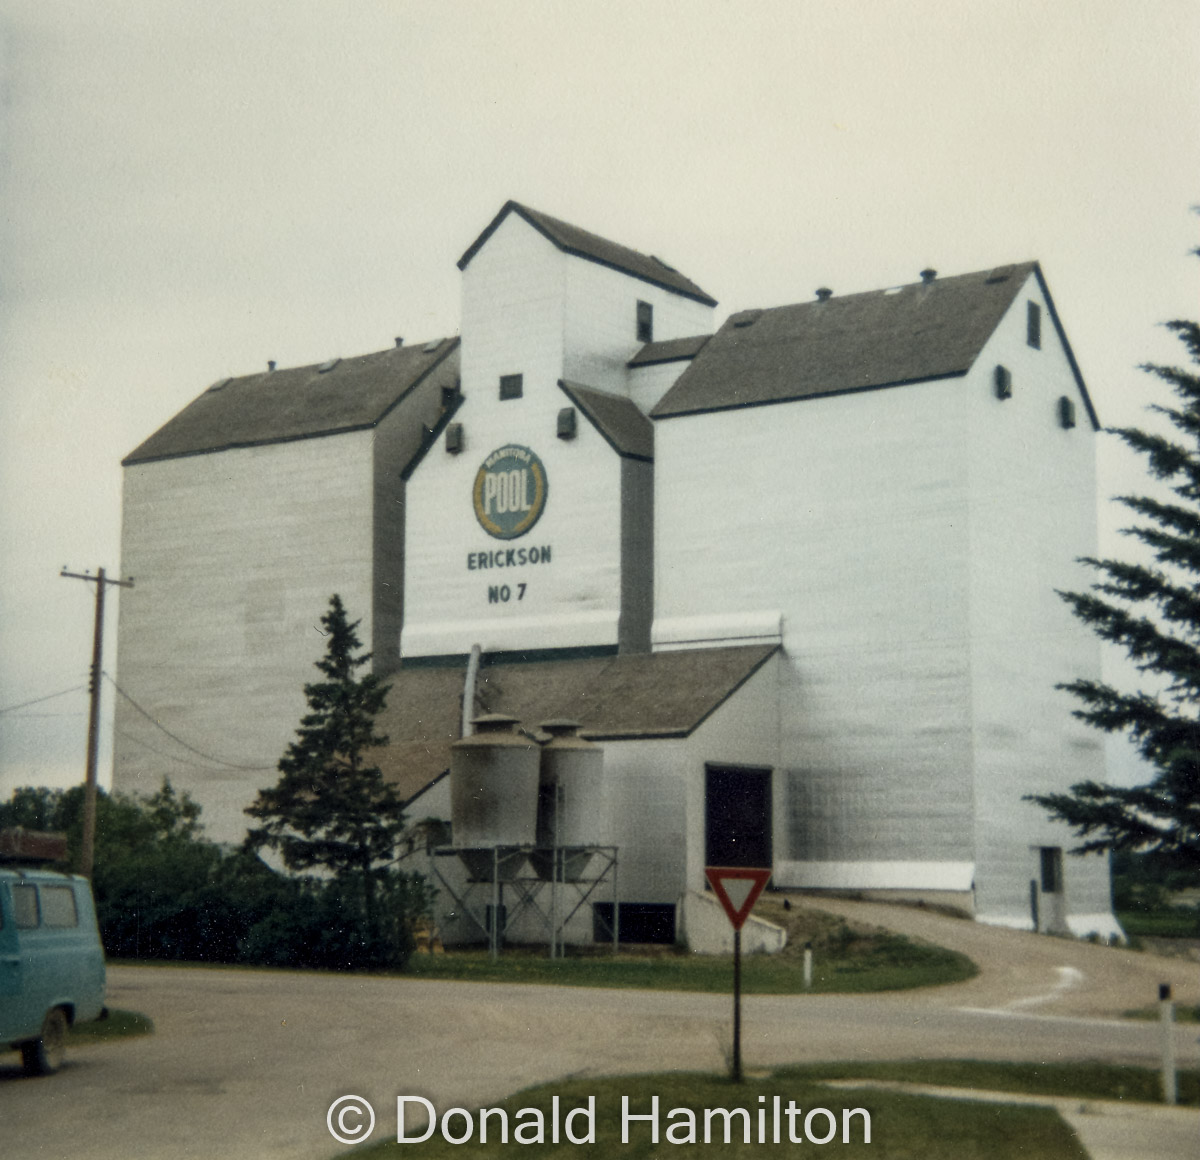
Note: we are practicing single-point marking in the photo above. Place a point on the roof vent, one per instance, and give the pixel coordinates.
(746, 318)
(430, 347)
(928, 275)
(399, 340)
(824, 294)
(270, 365)
(219, 385)
(326, 367)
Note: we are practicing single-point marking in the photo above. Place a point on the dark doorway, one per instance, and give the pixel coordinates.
(737, 808)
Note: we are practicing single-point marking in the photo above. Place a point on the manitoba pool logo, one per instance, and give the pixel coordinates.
(510, 492)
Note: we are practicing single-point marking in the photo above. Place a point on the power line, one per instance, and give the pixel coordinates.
(39, 700)
(180, 740)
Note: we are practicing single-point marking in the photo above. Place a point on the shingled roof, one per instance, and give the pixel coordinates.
(583, 244)
(623, 697)
(883, 338)
(628, 432)
(277, 406)
(669, 350)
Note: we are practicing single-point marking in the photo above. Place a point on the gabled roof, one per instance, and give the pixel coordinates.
(624, 697)
(582, 244)
(628, 432)
(278, 406)
(858, 342)
(669, 350)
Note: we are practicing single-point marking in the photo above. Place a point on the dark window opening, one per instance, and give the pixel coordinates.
(737, 817)
(641, 922)
(1033, 324)
(645, 322)
(1003, 379)
(512, 386)
(1066, 413)
(1051, 857)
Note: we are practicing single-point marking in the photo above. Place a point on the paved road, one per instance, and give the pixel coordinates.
(246, 1063)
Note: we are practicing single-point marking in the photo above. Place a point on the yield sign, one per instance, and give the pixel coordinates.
(738, 888)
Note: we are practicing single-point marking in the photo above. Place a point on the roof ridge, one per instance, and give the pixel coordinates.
(583, 243)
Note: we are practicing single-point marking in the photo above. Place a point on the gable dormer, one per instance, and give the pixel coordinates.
(548, 301)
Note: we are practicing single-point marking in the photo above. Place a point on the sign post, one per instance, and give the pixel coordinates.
(737, 889)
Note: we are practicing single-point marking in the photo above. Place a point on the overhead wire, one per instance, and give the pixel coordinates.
(39, 700)
(179, 740)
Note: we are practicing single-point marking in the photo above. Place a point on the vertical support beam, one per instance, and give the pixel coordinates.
(495, 931)
(737, 1006)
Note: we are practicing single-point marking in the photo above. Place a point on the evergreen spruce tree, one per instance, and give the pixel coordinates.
(330, 809)
(1152, 610)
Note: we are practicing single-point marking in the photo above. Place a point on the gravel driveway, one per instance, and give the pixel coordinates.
(245, 1063)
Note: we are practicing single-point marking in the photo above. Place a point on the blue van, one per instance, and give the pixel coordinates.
(51, 964)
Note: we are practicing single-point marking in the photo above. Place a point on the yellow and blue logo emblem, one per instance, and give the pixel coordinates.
(510, 492)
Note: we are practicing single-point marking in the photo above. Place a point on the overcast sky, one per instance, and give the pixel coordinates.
(188, 191)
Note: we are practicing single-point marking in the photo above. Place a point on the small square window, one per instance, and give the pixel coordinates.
(58, 906)
(512, 386)
(1033, 325)
(645, 322)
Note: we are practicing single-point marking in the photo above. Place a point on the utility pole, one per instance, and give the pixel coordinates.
(87, 848)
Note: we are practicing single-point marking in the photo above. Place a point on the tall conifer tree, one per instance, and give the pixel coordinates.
(1152, 610)
(330, 809)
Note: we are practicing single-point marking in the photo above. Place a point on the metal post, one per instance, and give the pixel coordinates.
(495, 931)
(737, 1006)
(1166, 1012)
(616, 907)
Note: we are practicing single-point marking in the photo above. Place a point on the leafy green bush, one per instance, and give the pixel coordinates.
(164, 892)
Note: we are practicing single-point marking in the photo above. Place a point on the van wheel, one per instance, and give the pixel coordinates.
(44, 1055)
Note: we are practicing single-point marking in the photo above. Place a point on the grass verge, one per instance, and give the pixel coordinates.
(1088, 1081)
(846, 958)
(118, 1025)
(1166, 922)
(891, 963)
(901, 1125)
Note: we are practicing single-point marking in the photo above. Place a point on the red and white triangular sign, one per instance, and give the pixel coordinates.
(738, 888)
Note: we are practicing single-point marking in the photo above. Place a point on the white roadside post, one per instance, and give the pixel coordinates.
(1166, 1011)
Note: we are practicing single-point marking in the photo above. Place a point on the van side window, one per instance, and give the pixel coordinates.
(25, 907)
(58, 907)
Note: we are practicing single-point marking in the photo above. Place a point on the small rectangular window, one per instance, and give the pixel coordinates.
(566, 423)
(454, 438)
(1003, 379)
(512, 386)
(1033, 325)
(25, 907)
(58, 906)
(645, 322)
(1066, 413)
